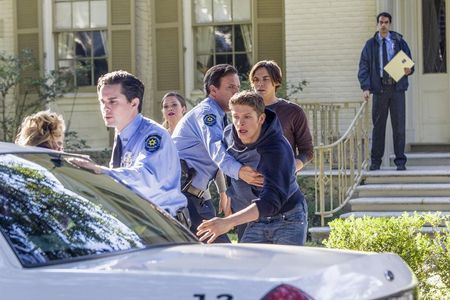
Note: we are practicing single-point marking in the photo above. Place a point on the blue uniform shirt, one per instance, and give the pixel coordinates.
(198, 138)
(150, 165)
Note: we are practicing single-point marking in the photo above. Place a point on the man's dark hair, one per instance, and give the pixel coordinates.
(131, 86)
(272, 68)
(248, 98)
(384, 14)
(215, 73)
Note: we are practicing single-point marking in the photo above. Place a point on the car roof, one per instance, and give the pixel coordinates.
(11, 148)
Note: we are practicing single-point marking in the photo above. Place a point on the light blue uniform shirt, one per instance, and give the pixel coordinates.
(389, 47)
(198, 138)
(150, 165)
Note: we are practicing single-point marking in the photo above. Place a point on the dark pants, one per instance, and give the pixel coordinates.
(199, 210)
(393, 102)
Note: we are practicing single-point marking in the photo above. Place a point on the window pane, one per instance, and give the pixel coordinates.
(224, 59)
(62, 15)
(203, 63)
(203, 11)
(434, 31)
(241, 10)
(223, 39)
(100, 43)
(243, 38)
(80, 14)
(98, 14)
(83, 73)
(204, 39)
(66, 45)
(67, 68)
(243, 63)
(83, 44)
(100, 68)
(222, 10)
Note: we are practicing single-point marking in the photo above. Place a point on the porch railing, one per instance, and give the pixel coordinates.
(339, 160)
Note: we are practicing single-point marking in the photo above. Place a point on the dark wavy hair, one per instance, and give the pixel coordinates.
(132, 87)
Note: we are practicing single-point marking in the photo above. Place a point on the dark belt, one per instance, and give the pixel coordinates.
(387, 81)
(193, 191)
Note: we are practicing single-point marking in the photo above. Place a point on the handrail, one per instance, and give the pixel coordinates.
(339, 166)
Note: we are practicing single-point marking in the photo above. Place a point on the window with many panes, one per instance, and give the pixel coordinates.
(81, 39)
(222, 34)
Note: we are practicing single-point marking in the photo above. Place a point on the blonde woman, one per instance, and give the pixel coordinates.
(42, 129)
(173, 107)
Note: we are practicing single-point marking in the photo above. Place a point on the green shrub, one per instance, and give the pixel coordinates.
(428, 255)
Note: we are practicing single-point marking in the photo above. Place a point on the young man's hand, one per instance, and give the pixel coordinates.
(209, 230)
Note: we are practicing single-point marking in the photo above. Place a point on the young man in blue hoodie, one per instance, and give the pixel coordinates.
(277, 212)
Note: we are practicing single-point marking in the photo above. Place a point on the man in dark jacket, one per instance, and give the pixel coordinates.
(277, 212)
(388, 95)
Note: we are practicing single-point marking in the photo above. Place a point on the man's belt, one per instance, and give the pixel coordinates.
(194, 191)
(387, 81)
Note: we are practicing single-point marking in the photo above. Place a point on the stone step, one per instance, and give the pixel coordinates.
(434, 147)
(318, 234)
(413, 174)
(401, 204)
(425, 159)
(403, 190)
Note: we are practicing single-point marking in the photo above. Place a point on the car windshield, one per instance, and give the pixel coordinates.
(53, 212)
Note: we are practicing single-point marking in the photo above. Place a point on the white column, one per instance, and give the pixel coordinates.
(47, 36)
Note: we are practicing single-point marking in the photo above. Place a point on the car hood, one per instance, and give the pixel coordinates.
(255, 269)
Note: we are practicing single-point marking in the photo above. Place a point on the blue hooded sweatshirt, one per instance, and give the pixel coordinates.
(272, 156)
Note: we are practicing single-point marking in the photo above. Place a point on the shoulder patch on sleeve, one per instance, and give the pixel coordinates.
(209, 119)
(152, 143)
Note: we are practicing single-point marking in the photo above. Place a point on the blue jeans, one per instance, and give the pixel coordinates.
(289, 228)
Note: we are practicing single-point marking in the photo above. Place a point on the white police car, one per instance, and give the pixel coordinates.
(70, 234)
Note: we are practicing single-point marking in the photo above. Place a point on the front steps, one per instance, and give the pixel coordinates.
(424, 187)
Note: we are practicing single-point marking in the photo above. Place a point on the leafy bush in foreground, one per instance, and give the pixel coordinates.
(428, 255)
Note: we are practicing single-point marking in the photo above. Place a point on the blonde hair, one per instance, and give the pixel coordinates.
(41, 129)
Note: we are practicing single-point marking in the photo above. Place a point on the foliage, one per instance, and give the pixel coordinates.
(73, 142)
(428, 255)
(35, 92)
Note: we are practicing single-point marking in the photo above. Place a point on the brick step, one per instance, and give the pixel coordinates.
(401, 204)
(403, 190)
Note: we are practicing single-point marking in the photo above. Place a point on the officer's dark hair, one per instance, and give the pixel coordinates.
(215, 73)
(248, 98)
(131, 86)
(272, 68)
(384, 14)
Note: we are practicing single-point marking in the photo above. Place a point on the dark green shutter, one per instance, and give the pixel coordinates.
(28, 28)
(168, 47)
(122, 35)
(269, 21)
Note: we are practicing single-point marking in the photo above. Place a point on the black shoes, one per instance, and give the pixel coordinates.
(374, 167)
(401, 168)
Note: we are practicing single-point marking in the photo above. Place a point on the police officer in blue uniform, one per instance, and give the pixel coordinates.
(144, 158)
(198, 138)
